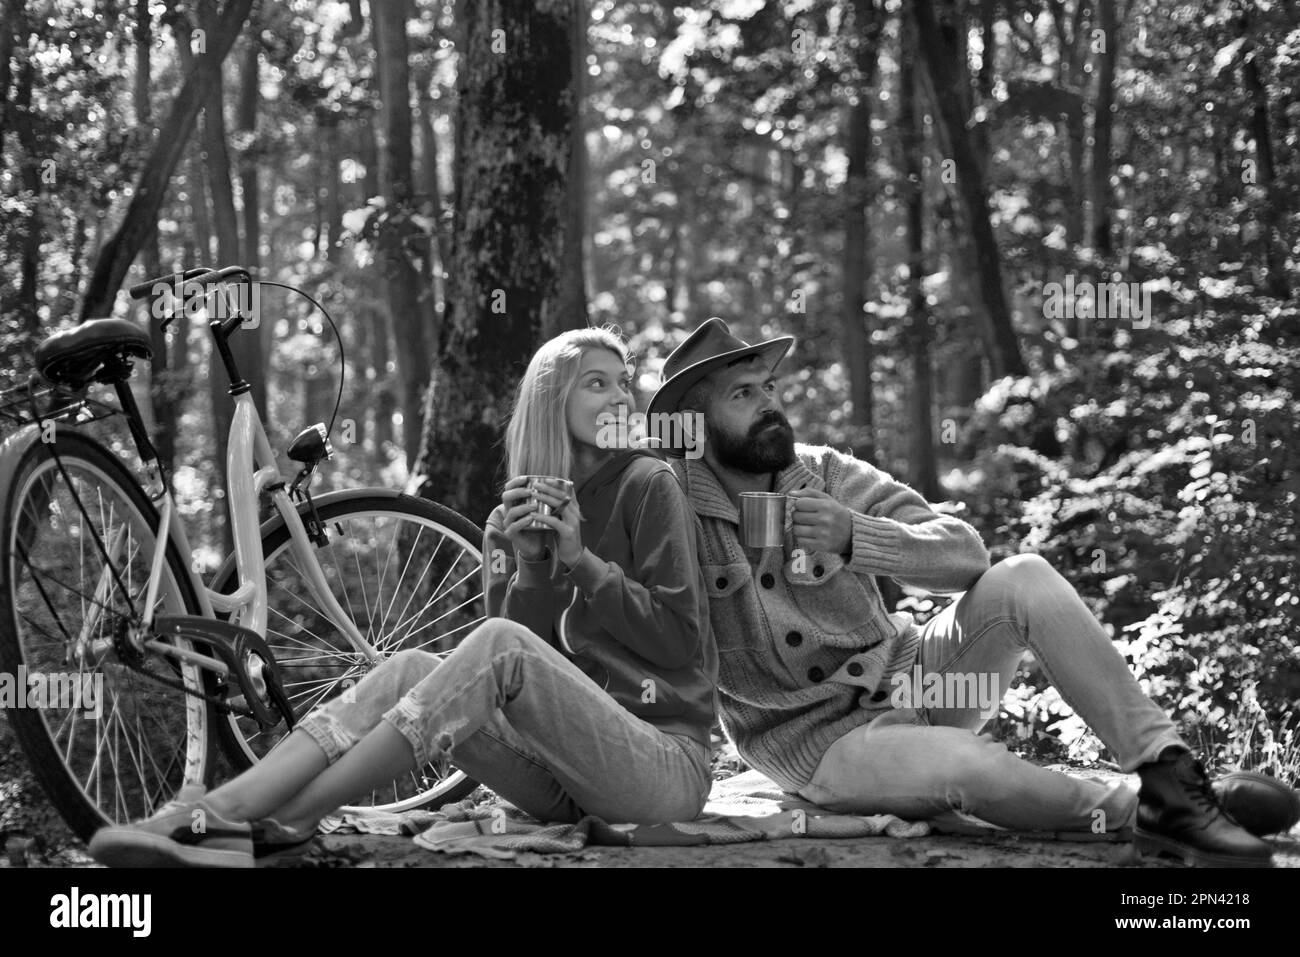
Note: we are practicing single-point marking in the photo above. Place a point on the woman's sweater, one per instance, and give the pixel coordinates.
(632, 613)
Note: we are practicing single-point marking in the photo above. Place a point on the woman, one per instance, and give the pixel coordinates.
(592, 693)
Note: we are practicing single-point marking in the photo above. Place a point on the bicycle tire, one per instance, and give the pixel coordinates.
(243, 749)
(27, 588)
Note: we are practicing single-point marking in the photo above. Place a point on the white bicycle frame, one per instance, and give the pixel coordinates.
(251, 470)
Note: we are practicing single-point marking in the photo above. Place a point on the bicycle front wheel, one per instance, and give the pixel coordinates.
(77, 539)
(408, 572)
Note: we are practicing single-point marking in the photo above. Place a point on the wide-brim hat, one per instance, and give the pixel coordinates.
(707, 349)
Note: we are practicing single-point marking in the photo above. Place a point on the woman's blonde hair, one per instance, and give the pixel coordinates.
(537, 438)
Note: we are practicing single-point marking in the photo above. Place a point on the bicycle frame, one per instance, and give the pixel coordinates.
(251, 470)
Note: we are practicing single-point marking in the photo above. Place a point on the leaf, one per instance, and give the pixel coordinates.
(1225, 57)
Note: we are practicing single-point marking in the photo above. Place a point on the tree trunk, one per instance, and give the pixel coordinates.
(946, 81)
(1068, 66)
(383, 399)
(508, 238)
(245, 347)
(198, 191)
(320, 386)
(429, 177)
(213, 169)
(925, 468)
(571, 310)
(988, 14)
(697, 257)
(857, 200)
(246, 122)
(1074, 173)
(161, 400)
(14, 22)
(385, 396)
(28, 315)
(116, 256)
(1274, 212)
(672, 263)
(259, 340)
(333, 186)
(397, 232)
(179, 368)
(1103, 124)
(434, 263)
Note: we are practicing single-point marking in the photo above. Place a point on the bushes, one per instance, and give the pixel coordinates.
(1172, 507)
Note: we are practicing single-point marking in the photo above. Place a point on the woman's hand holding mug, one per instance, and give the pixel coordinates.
(528, 529)
(563, 520)
(521, 509)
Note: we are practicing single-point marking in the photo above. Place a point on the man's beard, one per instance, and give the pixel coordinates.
(760, 450)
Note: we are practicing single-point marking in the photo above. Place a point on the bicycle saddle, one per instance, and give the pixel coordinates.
(95, 351)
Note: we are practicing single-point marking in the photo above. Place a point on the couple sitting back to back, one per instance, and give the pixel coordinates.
(615, 628)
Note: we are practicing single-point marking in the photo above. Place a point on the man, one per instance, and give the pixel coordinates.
(857, 709)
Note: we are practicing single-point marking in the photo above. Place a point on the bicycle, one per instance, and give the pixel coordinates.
(301, 609)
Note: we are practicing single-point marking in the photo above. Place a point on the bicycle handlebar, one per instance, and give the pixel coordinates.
(202, 275)
(221, 275)
(142, 289)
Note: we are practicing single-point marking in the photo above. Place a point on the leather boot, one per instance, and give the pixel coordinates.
(1179, 814)
(1259, 803)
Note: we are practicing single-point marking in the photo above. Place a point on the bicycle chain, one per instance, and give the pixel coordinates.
(222, 705)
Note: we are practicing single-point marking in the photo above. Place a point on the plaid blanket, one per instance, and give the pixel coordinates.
(747, 807)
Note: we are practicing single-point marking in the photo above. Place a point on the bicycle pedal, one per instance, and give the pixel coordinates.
(246, 656)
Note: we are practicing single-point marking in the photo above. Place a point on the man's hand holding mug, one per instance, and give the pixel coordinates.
(821, 524)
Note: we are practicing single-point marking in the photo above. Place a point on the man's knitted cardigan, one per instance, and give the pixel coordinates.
(806, 647)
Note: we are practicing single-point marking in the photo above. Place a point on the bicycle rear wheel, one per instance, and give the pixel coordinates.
(77, 539)
(408, 572)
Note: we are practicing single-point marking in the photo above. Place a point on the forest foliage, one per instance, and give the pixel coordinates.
(1152, 460)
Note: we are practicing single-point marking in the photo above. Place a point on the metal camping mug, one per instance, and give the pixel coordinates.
(560, 486)
(762, 519)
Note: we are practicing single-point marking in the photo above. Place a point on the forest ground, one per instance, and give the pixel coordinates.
(33, 835)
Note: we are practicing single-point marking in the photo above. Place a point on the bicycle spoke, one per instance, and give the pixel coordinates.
(469, 624)
(306, 662)
(401, 617)
(409, 635)
(125, 741)
(365, 600)
(391, 570)
(81, 566)
(159, 775)
(383, 573)
(289, 591)
(415, 547)
(314, 701)
(438, 596)
(49, 577)
(82, 555)
(334, 560)
(299, 641)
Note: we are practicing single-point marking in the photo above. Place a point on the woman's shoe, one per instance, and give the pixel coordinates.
(272, 841)
(185, 832)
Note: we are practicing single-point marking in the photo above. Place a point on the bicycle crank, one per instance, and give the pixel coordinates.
(241, 654)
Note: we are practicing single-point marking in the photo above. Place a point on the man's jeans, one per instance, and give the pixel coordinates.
(515, 714)
(924, 762)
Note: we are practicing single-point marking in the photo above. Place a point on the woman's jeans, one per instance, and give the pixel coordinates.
(513, 713)
(925, 761)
